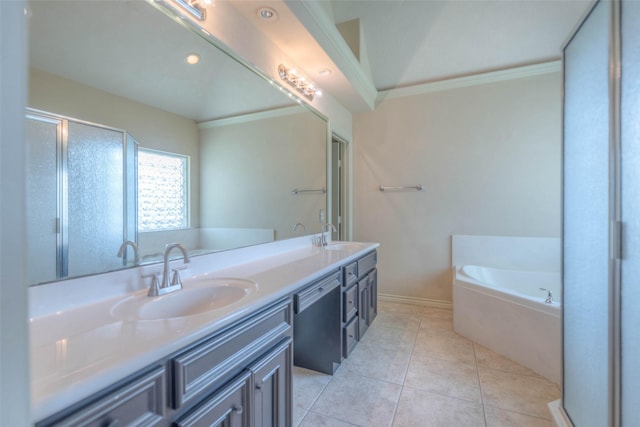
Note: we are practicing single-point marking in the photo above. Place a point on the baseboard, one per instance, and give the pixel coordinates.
(560, 417)
(416, 301)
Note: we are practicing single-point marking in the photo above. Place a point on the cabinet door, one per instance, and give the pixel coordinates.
(230, 407)
(138, 403)
(272, 378)
(363, 307)
(373, 295)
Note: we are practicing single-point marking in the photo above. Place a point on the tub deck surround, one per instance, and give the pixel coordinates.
(511, 321)
(79, 348)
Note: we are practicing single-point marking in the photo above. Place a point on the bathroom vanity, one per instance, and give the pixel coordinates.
(227, 366)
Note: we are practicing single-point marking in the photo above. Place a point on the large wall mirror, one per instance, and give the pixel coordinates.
(128, 141)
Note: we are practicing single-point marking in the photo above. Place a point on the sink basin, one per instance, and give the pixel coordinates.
(198, 296)
(344, 246)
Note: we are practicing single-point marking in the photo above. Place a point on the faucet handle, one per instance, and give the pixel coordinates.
(154, 289)
(175, 278)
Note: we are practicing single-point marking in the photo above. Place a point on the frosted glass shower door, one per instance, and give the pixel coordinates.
(630, 215)
(42, 137)
(96, 218)
(587, 265)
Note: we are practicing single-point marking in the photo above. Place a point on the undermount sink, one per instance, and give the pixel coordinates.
(198, 296)
(344, 246)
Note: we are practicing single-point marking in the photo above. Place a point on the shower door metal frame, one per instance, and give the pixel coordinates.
(62, 184)
(615, 225)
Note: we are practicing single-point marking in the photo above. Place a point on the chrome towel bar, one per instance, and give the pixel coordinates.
(410, 187)
(297, 191)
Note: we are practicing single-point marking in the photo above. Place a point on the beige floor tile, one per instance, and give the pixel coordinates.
(447, 377)
(404, 321)
(517, 393)
(316, 420)
(444, 346)
(437, 321)
(390, 338)
(500, 418)
(394, 307)
(298, 414)
(418, 408)
(307, 386)
(358, 400)
(492, 360)
(378, 363)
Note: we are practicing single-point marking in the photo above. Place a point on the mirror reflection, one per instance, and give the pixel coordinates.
(127, 141)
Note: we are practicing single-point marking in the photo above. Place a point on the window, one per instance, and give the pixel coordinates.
(163, 190)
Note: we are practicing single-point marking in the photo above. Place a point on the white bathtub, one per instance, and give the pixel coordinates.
(505, 311)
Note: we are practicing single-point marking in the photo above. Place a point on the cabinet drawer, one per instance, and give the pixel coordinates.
(367, 263)
(140, 402)
(229, 407)
(349, 337)
(219, 357)
(350, 274)
(308, 296)
(349, 303)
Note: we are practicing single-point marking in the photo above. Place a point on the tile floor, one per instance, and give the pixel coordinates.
(412, 369)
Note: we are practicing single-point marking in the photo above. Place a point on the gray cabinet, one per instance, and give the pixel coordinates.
(239, 376)
(139, 401)
(316, 334)
(230, 407)
(359, 300)
(272, 394)
(259, 396)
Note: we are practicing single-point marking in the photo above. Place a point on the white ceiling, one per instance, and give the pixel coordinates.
(406, 42)
(129, 49)
(411, 42)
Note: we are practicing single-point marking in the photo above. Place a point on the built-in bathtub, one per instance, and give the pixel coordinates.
(505, 311)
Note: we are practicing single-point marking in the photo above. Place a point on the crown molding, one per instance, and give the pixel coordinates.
(324, 31)
(251, 117)
(473, 80)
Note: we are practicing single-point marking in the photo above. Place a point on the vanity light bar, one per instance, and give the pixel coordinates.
(298, 82)
(197, 8)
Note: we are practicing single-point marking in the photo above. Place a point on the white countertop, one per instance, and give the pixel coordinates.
(78, 349)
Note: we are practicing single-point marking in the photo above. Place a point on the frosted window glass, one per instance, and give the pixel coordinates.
(630, 170)
(162, 191)
(42, 199)
(586, 223)
(96, 189)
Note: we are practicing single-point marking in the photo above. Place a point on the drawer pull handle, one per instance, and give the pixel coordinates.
(238, 409)
(259, 386)
(320, 289)
(350, 302)
(350, 336)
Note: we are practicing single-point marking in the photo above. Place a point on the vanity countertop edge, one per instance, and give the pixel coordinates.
(78, 352)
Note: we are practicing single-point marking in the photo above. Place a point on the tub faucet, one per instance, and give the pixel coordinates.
(549, 299)
(122, 253)
(299, 224)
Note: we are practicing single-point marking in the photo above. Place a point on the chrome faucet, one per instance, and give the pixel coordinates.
(325, 228)
(165, 287)
(549, 299)
(299, 224)
(176, 277)
(123, 248)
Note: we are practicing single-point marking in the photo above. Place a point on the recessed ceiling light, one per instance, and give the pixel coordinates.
(193, 58)
(325, 72)
(267, 14)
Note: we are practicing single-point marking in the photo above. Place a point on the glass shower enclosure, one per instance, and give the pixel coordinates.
(81, 198)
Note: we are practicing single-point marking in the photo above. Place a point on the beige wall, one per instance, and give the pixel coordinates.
(151, 127)
(252, 167)
(489, 159)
